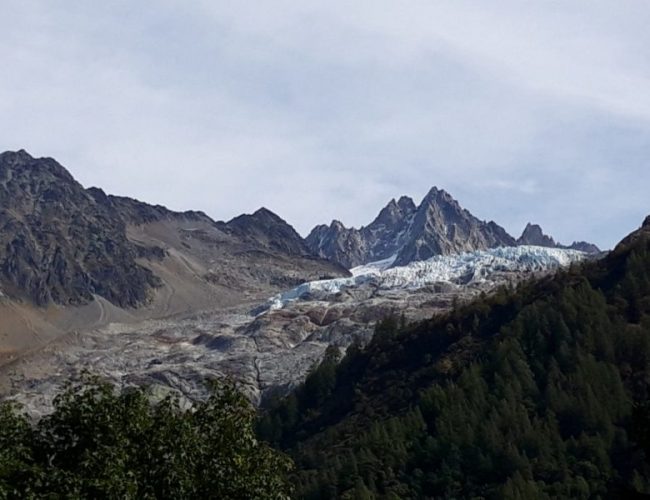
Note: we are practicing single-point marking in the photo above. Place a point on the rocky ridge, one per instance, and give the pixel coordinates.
(57, 244)
(534, 235)
(63, 244)
(437, 226)
(410, 233)
(74, 258)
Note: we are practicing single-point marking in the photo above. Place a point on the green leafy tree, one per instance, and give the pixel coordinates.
(101, 443)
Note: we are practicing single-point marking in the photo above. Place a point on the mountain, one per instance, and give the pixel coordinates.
(73, 258)
(266, 228)
(442, 227)
(57, 244)
(534, 235)
(438, 226)
(535, 391)
(409, 233)
(201, 298)
(381, 239)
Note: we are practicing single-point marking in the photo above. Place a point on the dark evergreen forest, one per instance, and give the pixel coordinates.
(536, 391)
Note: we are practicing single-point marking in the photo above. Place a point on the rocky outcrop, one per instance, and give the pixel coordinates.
(57, 244)
(438, 226)
(63, 244)
(534, 235)
(442, 227)
(583, 246)
(379, 240)
(388, 232)
(267, 229)
(347, 246)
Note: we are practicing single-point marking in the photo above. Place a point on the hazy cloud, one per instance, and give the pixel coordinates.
(320, 110)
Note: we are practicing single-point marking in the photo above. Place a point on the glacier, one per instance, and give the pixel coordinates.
(462, 269)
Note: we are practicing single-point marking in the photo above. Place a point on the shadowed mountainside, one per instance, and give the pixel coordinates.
(73, 258)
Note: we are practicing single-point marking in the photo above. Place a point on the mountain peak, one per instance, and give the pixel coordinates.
(21, 155)
(437, 194)
(439, 225)
(265, 213)
(32, 168)
(534, 235)
(393, 214)
(406, 203)
(269, 229)
(50, 218)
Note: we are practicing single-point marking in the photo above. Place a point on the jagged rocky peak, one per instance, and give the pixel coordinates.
(379, 240)
(338, 243)
(21, 158)
(266, 227)
(442, 227)
(32, 178)
(534, 235)
(439, 225)
(583, 246)
(395, 212)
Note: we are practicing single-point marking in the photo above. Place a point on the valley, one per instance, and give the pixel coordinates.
(144, 296)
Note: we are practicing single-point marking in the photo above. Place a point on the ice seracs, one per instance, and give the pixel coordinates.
(468, 268)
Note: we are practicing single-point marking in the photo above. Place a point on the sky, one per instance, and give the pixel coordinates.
(523, 111)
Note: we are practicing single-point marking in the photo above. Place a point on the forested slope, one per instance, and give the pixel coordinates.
(535, 392)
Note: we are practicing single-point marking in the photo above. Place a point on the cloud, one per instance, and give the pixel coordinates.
(319, 110)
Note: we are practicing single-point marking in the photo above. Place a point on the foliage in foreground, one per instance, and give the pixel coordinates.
(536, 392)
(100, 443)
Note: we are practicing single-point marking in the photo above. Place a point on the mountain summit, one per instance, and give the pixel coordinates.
(534, 235)
(407, 233)
(441, 226)
(379, 240)
(438, 226)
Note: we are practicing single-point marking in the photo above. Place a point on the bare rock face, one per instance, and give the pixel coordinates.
(379, 240)
(57, 244)
(346, 246)
(63, 244)
(583, 246)
(442, 227)
(266, 228)
(438, 226)
(534, 235)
